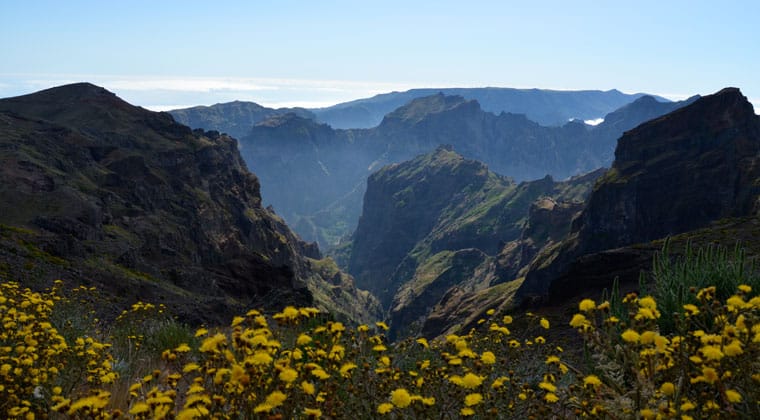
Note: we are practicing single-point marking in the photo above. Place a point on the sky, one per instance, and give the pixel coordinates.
(171, 54)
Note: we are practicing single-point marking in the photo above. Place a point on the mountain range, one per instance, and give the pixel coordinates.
(99, 192)
(441, 238)
(314, 175)
(543, 106)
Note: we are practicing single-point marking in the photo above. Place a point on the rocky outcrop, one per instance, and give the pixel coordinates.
(436, 223)
(145, 208)
(674, 174)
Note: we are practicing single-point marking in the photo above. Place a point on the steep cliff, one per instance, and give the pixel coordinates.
(145, 208)
(674, 174)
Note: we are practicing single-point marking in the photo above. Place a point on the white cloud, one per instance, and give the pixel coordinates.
(164, 92)
(596, 121)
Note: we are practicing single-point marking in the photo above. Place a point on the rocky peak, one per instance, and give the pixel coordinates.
(677, 173)
(146, 208)
(420, 108)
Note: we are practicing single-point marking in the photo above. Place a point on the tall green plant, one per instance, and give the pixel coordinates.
(674, 276)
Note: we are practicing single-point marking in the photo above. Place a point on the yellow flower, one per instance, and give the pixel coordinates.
(733, 396)
(429, 401)
(182, 348)
(261, 358)
(200, 332)
(473, 399)
(307, 387)
(712, 352)
(466, 411)
(544, 323)
(551, 398)
(288, 375)
(337, 327)
(423, 342)
(647, 337)
(733, 349)
(384, 408)
(507, 319)
(470, 380)
(275, 399)
(488, 358)
(744, 288)
(648, 302)
(490, 312)
(547, 386)
(345, 370)
(312, 412)
(587, 305)
(237, 321)
(668, 388)
(647, 413)
(303, 339)
(690, 309)
(401, 398)
(139, 408)
(592, 380)
(211, 344)
(630, 336)
(382, 325)
(577, 321)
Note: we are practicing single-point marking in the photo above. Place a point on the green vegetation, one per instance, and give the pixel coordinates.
(674, 278)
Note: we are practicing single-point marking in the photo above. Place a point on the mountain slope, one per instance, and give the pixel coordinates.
(546, 107)
(145, 208)
(674, 174)
(436, 223)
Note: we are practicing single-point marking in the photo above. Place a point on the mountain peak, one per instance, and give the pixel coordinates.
(417, 109)
(67, 93)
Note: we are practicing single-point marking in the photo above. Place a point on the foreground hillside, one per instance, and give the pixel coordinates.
(98, 192)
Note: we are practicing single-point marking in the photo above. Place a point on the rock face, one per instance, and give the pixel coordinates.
(674, 174)
(437, 222)
(315, 175)
(145, 208)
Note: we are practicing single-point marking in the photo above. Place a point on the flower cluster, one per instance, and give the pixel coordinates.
(709, 368)
(40, 371)
(300, 363)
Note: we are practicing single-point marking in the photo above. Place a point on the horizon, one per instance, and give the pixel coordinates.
(177, 55)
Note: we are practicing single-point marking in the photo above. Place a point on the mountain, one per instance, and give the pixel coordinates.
(546, 107)
(436, 223)
(314, 175)
(99, 192)
(678, 173)
(234, 118)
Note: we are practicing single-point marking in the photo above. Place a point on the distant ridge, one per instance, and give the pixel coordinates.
(546, 107)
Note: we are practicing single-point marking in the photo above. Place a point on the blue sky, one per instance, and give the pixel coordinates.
(164, 54)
